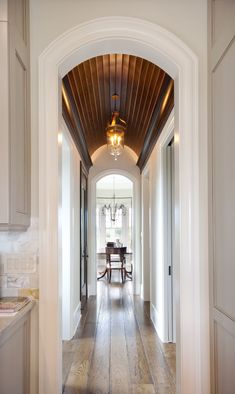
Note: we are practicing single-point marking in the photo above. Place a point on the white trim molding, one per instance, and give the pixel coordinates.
(145, 235)
(164, 140)
(154, 315)
(149, 41)
(76, 318)
(135, 227)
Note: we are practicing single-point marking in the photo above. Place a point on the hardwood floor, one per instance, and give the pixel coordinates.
(116, 349)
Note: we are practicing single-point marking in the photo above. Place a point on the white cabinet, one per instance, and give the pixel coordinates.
(15, 359)
(14, 115)
(19, 351)
(222, 93)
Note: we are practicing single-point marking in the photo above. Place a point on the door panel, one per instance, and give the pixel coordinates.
(83, 236)
(222, 195)
(170, 239)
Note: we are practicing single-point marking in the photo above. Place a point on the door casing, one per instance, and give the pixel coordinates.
(152, 42)
(83, 235)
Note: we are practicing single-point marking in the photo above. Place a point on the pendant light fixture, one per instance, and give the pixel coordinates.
(115, 135)
(116, 128)
(113, 209)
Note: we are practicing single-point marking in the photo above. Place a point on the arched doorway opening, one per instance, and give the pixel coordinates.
(114, 220)
(103, 167)
(149, 41)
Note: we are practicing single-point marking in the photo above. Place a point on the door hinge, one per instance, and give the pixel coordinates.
(169, 270)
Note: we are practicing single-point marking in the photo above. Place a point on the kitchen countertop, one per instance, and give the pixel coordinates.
(7, 322)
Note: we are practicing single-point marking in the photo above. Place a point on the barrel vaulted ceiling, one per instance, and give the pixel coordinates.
(144, 98)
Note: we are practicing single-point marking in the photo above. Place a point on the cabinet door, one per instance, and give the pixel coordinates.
(222, 55)
(4, 125)
(15, 358)
(19, 113)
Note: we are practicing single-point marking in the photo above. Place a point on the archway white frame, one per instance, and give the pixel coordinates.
(149, 41)
(165, 138)
(135, 224)
(145, 236)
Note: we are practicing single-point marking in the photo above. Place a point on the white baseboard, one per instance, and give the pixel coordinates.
(143, 295)
(142, 291)
(154, 315)
(76, 318)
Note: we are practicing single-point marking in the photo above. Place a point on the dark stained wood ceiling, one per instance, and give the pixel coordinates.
(145, 99)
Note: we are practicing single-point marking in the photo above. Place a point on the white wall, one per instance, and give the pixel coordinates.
(222, 193)
(104, 164)
(157, 233)
(70, 235)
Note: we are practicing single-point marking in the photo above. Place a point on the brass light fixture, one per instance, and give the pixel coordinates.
(112, 208)
(115, 135)
(116, 128)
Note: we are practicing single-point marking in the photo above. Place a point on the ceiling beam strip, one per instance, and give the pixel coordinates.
(77, 135)
(160, 115)
(75, 86)
(139, 124)
(124, 79)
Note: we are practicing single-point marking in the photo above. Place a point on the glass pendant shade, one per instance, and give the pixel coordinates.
(115, 135)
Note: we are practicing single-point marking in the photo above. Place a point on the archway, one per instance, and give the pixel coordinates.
(136, 222)
(149, 41)
(114, 219)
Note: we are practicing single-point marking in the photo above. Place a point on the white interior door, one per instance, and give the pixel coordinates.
(65, 220)
(146, 239)
(83, 237)
(170, 240)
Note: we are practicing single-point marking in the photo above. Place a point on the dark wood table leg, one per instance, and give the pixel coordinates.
(105, 272)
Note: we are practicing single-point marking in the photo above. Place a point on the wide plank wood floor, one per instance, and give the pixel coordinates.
(116, 349)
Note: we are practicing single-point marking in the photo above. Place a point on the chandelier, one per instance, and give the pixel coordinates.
(116, 128)
(115, 135)
(113, 209)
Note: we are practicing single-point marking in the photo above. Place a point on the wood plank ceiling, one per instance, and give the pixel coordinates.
(145, 98)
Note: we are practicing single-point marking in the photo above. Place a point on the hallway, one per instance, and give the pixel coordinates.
(116, 349)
